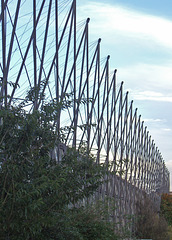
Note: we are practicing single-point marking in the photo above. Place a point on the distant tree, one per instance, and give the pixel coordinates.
(166, 207)
(149, 224)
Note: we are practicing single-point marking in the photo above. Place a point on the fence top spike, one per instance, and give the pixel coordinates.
(88, 19)
(108, 57)
(99, 40)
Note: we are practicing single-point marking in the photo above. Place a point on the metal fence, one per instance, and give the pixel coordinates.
(42, 46)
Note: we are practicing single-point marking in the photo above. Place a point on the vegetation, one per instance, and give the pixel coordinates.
(170, 232)
(166, 210)
(166, 207)
(41, 198)
(150, 224)
(38, 196)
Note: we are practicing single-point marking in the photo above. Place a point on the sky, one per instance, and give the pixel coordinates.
(137, 34)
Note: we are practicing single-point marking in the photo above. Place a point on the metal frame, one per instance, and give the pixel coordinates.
(111, 129)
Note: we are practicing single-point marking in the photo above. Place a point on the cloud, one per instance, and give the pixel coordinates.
(167, 129)
(153, 80)
(152, 96)
(153, 120)
(112, 19)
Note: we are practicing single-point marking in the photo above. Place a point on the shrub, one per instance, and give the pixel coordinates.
(35, 190)
(166, 207)
(150, 224)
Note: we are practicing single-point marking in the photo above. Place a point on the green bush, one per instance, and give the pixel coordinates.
(35, 190)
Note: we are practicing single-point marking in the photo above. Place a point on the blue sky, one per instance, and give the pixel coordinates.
(137, 34)
(154, 7)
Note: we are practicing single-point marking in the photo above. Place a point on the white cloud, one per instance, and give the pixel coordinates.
(152, 96)
(153, 120)
(167, 129)
(148, 80)
(112, 19)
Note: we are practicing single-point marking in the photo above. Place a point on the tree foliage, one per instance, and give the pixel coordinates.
(37, 194)
(150, 224)
(166, 207)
